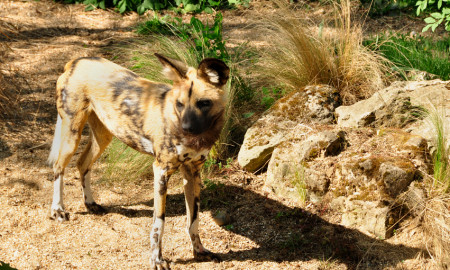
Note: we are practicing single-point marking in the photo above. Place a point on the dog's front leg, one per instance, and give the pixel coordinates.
(162, 174)
(192, 187)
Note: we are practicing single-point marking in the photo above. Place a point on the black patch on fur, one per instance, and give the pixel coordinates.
(75, 63)
(195, 213)
(83, 179)
(190, 90)
(163, 185)
(156, 237)
(124, 85)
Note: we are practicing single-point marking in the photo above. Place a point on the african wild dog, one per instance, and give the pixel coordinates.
(177, 124)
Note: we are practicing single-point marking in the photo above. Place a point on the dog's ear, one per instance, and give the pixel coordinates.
(213, 71)
(173, 69)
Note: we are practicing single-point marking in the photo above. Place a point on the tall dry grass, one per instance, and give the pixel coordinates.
(436, 216)
(436, 223)
(302, 53)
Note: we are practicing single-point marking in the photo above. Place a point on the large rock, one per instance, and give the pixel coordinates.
(360, 172)
(286, 174)
(400, 105)
(286, 119)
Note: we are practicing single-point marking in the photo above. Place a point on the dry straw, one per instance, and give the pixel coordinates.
(332, 53)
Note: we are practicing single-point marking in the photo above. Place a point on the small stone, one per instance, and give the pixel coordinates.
(222, 218)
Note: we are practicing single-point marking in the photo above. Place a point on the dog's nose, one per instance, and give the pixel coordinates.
(188, 127)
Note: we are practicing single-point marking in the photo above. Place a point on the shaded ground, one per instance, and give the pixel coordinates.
(266, 233)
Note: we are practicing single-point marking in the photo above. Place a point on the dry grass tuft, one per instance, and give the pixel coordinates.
(302, 54)
(436, 224)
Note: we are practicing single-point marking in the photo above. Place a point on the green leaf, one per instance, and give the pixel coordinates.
(191, 8)
(446, 11)
(439, 4)
(436, 15)
(122, 5)
(426, 28)
(208, 10)
(434, 26)
(429, 20)
(102, 4)
(248, 115)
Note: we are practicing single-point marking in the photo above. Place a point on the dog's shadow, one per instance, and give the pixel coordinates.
(283, 233)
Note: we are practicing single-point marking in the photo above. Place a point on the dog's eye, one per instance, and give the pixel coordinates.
(204, 104)
(180, 106)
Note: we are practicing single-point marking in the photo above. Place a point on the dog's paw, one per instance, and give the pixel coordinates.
(159, 265)
(95, 208)
(206, 256)
(59, 215)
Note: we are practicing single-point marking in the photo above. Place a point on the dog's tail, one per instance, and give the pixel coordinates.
(56, 145)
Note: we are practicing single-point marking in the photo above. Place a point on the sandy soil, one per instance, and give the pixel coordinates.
(265, 233)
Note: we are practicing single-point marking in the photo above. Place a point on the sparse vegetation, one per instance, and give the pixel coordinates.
(299, 184)
(125, 164)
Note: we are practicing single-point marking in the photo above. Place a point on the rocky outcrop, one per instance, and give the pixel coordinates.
(286, 120)
(401, 105)
(361, 164)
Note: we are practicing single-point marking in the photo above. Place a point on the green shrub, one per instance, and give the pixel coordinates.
(420, 53)
(140, 6)
(440, 15)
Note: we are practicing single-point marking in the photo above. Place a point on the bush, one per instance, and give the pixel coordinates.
(301, 54)
(440, 15)
(140, 6)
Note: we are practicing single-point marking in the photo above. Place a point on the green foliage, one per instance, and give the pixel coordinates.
(441, 161)
(420, 53)
(206, 39)
(270, 95)
(440, 15)
(140, 6)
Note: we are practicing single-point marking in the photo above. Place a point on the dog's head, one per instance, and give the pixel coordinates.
(197, 97)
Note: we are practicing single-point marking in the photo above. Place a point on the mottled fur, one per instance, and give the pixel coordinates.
(178, 124)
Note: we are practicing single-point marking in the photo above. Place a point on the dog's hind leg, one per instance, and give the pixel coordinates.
(99, 139)
(65, 144)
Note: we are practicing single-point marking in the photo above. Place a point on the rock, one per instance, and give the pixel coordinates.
(321, 102)
(395, 106)
(396, 176)
(369, 217)
(286, 175)
(285, 120)
(414, 199)
(362, 113)
(222, 218)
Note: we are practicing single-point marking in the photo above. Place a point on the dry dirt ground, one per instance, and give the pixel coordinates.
(265, 233)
